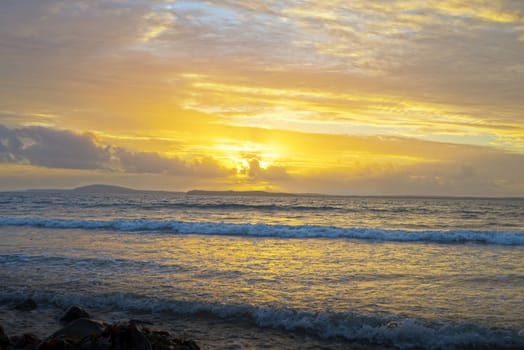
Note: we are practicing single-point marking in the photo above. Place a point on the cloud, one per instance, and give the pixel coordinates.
(490, 175)
(150, 162)
(320, 163)
(162, 82)
(147, 162)
(255, 172)
(402, 65)
(51, 148)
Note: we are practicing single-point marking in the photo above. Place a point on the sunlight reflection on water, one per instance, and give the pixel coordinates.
(481, 283)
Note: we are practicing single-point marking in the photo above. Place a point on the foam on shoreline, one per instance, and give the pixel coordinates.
(381, 330)
(209, 333)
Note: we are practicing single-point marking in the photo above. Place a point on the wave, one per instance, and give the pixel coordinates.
(392, 330)
(512, 238)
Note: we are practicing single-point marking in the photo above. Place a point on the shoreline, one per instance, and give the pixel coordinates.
(28, 326)
(204, 332)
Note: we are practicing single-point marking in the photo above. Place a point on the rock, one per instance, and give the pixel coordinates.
(54, 344)
(127, 336)
(185, 345)
(79, 329)
(26, 341)
(73, 313)
(86, 334)
(4, 340)
(161, 340)
(94, 343)
(26, 305)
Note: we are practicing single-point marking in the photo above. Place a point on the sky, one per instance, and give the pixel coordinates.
(386, 97)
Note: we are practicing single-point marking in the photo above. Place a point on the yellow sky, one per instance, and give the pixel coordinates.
(343, 97)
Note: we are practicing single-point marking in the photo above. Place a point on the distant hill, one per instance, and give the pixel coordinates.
(101, 188)
(97, 188)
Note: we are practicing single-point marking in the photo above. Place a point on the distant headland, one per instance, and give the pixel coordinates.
(108, 189)
(99, 188)
(96, 188)
(102, 188)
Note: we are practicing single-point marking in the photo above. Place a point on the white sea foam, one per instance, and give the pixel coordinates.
(391, 330)
(515, 238)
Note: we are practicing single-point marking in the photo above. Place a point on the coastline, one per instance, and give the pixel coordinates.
(41, 329)
(204, 331)
(28, 326)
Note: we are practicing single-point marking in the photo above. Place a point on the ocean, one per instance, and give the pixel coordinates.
(286, 272)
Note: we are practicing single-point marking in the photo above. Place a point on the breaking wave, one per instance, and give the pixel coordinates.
(511, 238)
(391, 330)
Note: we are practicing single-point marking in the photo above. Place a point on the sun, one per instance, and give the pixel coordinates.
(243, 156)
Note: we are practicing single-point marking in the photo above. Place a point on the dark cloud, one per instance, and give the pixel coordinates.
(52, 148)
(150, 162)
(64, 149)
(255, 172)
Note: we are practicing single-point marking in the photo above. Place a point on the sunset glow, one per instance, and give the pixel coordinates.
(382, 97)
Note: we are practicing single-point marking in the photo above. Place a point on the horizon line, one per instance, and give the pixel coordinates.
(203, 192)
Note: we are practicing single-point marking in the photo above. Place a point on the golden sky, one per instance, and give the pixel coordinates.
(384, 97)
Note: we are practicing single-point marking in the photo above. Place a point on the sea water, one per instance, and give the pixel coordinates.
(289, 272)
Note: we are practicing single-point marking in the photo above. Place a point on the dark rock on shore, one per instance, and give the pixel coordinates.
(55, 344)
(25, 341)
(79, 329)
(73, 313)
(127, 336)
(86, 334)
(26, 305)
(4, 340)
